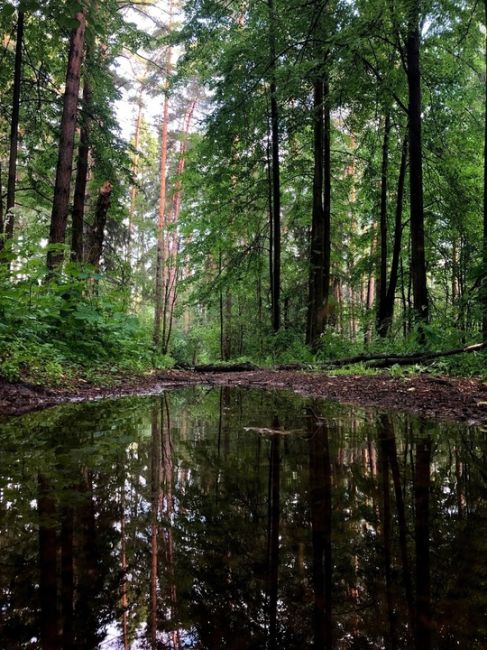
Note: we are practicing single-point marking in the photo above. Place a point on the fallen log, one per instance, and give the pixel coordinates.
(226, 367)
(380, 360)
(419, 357)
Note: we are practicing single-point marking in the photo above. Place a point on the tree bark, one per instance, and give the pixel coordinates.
(77, 240)
(418, 260)
(14, 129)
(383, 227)
(276, 178)
(317, 254)
(170, 271)
(387, 312)
(161, 222)
(135, 169)
(326, 196)
(98, 229)
(66, 144)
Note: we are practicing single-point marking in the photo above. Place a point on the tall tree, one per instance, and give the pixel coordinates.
(81, 178)
(383, 222)
(161, 221)
(276, 176)
(64, 168)
(97, 236)
(418, 258)
(386, 304)
(319, 273)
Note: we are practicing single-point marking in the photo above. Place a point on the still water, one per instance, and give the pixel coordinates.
(240, 519)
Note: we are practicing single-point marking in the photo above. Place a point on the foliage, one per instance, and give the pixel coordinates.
(53, 331)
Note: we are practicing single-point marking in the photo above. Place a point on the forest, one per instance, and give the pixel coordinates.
(209, 181)
(243, 324)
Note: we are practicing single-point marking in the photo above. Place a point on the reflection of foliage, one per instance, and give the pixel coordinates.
(211, 507)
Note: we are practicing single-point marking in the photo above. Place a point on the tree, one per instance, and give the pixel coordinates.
(418, 259)
(60, 206)
(275, 225)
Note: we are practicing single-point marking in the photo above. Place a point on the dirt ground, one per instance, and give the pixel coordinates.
(440, 397)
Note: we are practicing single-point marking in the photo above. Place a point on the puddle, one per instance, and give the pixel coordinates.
(236, 518)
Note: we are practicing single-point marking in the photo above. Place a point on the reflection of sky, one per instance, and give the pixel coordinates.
(114, 641)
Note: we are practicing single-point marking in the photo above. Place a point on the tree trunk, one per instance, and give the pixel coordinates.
(326, 196)
(14, 128)
(383, 227)
(227, 326)
(98, 229)
(317, 254)
(161, 222)
(81, 179)
(135, 169)
(170, 275)
(276, 178)
(66, 144)
(418, 261)
(387, 313)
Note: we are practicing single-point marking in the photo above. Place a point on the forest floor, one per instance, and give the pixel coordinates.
(447, 398)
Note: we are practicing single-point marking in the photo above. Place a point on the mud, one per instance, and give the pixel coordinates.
(429, 396)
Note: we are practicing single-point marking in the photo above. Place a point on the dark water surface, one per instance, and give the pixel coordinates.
(234, 518)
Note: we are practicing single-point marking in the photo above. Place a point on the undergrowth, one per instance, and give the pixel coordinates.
(69, 328)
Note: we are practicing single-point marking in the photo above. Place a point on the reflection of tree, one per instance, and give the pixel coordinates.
(387, 441)
(422, 537)
(156, 488)
(320, 507)
(274, 511)
(46, 506)
(231, 511)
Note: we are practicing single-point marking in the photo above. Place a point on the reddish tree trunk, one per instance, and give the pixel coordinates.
(161, 222)
(170, 271)
(66, 144)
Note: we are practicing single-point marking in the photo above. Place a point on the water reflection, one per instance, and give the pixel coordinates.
(239, 519)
